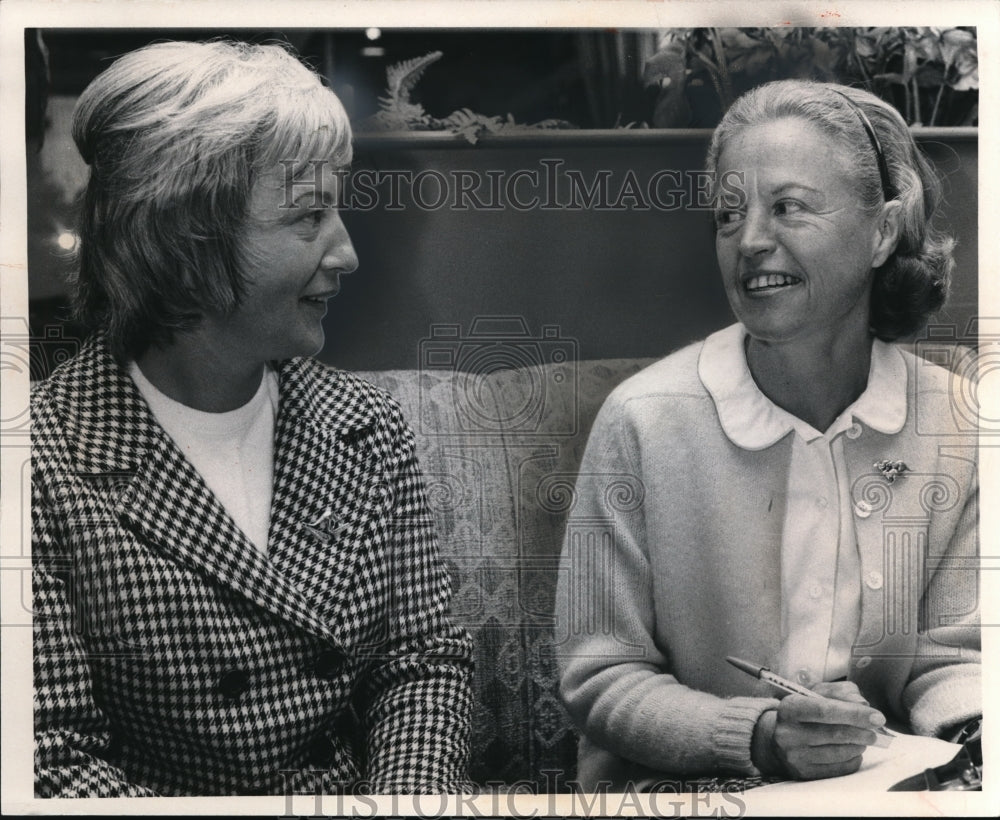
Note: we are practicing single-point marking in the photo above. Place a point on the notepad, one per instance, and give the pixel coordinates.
(880, 768)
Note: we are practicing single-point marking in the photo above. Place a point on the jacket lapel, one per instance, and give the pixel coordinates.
(158, 494)
(329, 488)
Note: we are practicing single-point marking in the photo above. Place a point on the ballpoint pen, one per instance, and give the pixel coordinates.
(883, 736)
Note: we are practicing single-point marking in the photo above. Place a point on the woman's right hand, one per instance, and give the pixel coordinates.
(812, 738)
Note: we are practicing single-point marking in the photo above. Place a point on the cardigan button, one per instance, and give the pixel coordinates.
(234, 683)
(329, 663)
(864, 661)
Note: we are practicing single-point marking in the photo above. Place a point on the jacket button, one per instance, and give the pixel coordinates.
(328, 663)
(322, 752)
(854, 431)
(234, 683)
(862, 509)
(864, 662)
(874, 580)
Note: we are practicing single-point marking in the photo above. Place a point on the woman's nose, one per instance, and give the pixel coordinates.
(757, 235)
(340, 255)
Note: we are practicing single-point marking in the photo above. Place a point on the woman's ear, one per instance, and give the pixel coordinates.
(887, 232)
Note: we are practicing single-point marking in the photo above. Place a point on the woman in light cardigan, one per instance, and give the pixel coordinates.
(794, 490)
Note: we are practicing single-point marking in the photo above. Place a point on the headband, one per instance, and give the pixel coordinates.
(883, 168)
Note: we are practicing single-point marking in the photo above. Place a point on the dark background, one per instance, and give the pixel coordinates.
(532, 74)
(617, 284)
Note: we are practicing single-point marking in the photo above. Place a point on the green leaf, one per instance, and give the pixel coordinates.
(909, 62)
(966, 82)
(955, 43)
(930, 76)
(402, 77)
(892, 77)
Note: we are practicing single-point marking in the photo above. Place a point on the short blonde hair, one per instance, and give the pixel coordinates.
(176, 135)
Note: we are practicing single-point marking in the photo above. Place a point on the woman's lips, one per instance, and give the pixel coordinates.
(321, 298)
(763, 282)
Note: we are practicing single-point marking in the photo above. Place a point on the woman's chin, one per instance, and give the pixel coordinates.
(771, 329)
(304, 345)
(315, 347)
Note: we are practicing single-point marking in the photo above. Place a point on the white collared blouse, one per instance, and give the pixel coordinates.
(820, 566)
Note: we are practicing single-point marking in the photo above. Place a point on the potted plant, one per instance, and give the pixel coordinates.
(931, 75)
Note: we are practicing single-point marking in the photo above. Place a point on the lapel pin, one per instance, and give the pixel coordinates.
(890, 469)
(326, 528)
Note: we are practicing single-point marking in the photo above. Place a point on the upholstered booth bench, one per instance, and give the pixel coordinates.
(500, 448)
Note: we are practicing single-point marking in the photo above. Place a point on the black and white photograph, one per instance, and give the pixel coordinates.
(499, 409)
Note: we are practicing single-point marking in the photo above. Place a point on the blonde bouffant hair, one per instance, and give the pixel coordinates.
(176, 134)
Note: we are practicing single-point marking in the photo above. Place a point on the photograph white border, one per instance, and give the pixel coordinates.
(15, 15)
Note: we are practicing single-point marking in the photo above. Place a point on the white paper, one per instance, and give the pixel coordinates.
(881, 768)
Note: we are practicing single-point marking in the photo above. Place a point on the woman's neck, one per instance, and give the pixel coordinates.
(189, 372)
(814, 380)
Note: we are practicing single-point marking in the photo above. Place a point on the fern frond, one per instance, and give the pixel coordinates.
(402, 110)
(469, 124)
(398, 112)
(402, 77)
(464, 117)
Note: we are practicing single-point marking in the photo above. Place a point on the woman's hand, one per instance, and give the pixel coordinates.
(810, 738)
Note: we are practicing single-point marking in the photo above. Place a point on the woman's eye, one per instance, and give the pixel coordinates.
(723, 218)
(313, 218)
(787, 206)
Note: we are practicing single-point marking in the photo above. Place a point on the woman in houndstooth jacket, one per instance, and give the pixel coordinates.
(237, 588)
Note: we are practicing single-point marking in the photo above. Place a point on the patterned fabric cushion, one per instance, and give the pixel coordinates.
(500, 451)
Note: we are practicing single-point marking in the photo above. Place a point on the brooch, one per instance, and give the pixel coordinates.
(890, 469)
(326, 528)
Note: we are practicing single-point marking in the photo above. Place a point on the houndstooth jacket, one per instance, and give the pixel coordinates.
(172, 657)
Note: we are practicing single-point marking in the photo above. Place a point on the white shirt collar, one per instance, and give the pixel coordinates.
(752, 421)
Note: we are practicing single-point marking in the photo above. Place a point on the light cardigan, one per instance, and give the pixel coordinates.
(671, 562)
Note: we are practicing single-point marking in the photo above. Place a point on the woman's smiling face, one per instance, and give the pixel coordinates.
(297, 248)
(797, 251)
